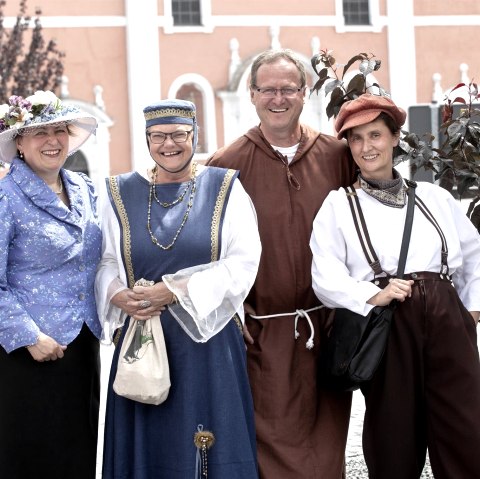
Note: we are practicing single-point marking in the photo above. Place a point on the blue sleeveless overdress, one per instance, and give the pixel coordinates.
(209, 380)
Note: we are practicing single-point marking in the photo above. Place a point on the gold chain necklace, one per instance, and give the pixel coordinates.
(191, 184)
(174, 202)
(59, 192)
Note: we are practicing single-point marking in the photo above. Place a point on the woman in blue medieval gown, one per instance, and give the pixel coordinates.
(191, 230)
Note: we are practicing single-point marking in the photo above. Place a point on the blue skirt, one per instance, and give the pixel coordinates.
(210, 390)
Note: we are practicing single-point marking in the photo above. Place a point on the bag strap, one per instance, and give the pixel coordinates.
(361, 227)
(407, 230)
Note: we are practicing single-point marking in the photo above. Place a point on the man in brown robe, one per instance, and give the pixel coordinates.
(288, 169)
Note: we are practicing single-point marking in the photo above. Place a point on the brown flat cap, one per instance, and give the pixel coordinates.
(365, 109)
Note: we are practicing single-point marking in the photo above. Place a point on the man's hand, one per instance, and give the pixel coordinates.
(246, 333)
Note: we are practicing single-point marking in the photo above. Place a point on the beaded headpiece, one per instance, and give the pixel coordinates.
(171, 112)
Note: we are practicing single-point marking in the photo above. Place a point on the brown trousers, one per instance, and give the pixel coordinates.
(426, 393)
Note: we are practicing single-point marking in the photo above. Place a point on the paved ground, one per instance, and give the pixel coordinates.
(106, 358)
(356, 468)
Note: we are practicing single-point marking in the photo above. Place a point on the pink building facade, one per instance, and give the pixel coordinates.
(124, 54)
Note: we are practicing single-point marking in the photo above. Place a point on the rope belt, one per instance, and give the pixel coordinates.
(299, 313)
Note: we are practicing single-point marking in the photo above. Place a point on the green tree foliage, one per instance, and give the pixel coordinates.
(455, 163)
(331, 78)
(28, 62)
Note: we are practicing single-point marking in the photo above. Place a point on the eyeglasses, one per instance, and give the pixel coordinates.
(272, 92)
(158, 137)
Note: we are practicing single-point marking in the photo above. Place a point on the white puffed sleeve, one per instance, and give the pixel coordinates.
(334, 259)
(210, 294)
(111, 277)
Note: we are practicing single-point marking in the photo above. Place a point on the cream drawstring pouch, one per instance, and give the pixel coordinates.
(143, 373)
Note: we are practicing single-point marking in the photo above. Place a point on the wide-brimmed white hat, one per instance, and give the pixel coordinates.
(21, 116)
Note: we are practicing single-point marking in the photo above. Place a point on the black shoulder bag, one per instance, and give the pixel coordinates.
(356, 343)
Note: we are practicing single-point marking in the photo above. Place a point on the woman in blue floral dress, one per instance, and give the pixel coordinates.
(50, 243)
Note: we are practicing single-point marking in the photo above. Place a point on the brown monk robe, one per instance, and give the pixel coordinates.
(301, 429)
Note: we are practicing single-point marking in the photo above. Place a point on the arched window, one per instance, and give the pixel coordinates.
(190, 92)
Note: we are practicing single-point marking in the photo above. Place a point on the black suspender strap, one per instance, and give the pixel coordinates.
(364, 237)
(423, 208)
(362, 231)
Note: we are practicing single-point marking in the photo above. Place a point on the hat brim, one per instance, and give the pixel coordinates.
(81, 126)
(361, 117)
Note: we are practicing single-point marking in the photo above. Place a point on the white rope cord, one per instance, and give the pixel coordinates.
(299, 313)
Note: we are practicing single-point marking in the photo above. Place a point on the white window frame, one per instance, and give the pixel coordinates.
(377, 22)
(205, 15)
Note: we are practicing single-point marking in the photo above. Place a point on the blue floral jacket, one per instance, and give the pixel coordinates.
(48, 258)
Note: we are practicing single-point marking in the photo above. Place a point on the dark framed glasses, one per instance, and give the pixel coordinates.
(158, 137)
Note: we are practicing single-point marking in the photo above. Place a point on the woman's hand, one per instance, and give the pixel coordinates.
(136, 304)
(398, 289)
(149, 301)
(475, 316)
(124, 301)
(46, 349)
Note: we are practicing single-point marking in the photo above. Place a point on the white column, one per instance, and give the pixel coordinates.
(143, 71)
(402, 52)
(402, 59)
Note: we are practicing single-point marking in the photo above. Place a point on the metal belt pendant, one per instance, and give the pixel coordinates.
(203, 440)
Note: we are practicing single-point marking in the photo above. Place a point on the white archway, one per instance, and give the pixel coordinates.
(208, 123)
(239, 114)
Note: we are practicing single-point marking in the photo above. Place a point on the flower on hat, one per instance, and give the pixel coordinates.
(20, 111)
(15, 113)
(44, 102)
(43, 98)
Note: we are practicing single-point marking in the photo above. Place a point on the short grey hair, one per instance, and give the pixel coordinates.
(271, 56)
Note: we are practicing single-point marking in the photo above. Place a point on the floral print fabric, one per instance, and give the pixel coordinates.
(48, 258)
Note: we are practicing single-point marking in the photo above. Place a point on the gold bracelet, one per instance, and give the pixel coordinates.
(174, 299)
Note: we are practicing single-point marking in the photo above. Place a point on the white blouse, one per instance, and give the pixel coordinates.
(340, 272)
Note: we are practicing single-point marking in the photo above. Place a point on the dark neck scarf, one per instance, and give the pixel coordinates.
(389, 192)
